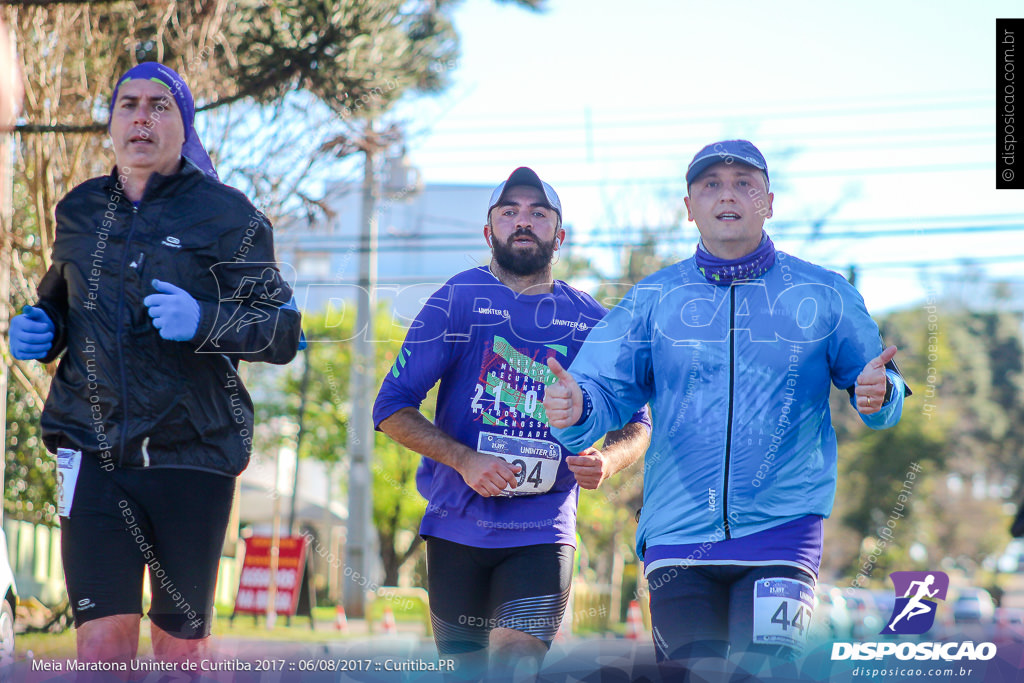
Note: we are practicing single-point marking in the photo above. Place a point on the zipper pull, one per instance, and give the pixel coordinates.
(137, 262)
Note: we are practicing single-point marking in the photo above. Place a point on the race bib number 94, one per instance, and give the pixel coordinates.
(537, 460)
(782, 612)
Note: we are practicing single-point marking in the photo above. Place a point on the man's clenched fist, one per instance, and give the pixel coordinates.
(563, 400)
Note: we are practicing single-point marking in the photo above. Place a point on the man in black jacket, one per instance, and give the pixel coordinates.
(162, 280)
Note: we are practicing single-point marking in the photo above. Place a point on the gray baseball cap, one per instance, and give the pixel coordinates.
(526, 176)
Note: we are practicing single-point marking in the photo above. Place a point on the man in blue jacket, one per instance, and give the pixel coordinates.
(734, 349)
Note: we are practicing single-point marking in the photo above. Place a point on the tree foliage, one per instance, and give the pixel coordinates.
(356, 56)
(397, 506)
(962, 426)
(284, 88)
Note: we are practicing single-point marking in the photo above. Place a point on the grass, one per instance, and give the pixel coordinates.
(62, 645)
(47, 645)
(404, 611)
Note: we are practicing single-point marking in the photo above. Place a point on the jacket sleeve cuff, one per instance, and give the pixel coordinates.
(588, 408)
(207, 318)
(60, 330)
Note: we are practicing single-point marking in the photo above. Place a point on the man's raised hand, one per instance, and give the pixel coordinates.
(870, 391)
(563, 400)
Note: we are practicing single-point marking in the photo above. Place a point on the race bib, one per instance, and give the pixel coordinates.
(782, 612)
(537, 459)
(68, 463)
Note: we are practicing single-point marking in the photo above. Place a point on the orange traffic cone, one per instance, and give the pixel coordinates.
(389, 622)
(340, 622)
(634, 621)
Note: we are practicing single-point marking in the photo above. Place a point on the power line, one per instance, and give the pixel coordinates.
(668, 234)
(923, 227)
(747, 114)
(952, 261)
(902, 139)
(860, 266)
(679, 181)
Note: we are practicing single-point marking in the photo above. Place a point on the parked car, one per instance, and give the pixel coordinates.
(973, 606)
(1007, 626)
(885, 602)
(1012, 559)
(832, 619)
(7, 605)
(867, 621)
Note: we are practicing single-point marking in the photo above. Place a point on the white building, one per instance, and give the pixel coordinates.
(427, 233)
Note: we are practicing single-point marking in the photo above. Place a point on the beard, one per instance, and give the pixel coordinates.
(522, 263)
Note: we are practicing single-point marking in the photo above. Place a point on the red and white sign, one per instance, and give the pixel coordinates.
(254, 582)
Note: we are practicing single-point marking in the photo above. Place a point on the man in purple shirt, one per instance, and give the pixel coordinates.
(501, 520)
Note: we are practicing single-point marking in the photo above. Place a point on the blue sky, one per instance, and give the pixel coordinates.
(874, 115)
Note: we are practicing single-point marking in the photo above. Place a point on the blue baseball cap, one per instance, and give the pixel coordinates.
(728, 151)
(526, 176)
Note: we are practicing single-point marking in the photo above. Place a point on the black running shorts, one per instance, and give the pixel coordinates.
(172, 520)
(473, 590)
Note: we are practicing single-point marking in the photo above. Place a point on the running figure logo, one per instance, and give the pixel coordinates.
(253, 299)
(916, 596)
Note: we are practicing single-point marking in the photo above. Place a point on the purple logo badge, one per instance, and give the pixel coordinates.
(917, 594)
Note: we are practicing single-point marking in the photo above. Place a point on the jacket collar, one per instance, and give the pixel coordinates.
(162, 185)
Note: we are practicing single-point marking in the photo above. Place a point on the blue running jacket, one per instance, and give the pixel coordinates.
(737, 377)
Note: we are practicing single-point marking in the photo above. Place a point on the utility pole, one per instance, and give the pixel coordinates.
(307, 362)
(359, 548)
(275, 545)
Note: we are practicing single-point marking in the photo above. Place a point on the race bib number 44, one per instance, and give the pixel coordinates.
(782, 612)
(537, 460)
(69, 461)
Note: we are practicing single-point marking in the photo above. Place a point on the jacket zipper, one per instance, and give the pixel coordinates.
(120, 332)
(728, 422)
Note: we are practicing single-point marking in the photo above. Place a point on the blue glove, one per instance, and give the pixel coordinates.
(174, 312)
(31, 334)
